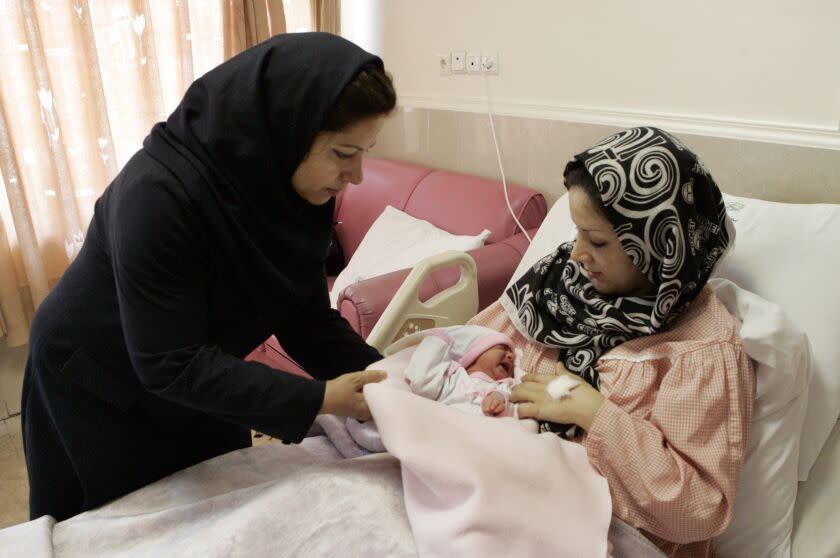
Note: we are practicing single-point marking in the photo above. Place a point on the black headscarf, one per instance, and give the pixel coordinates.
(669, 216)
(234, 142)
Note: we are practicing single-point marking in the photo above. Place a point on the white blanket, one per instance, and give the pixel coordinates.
(271, 500)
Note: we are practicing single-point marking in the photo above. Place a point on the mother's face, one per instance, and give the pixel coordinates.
(334, 160)
(598, 249)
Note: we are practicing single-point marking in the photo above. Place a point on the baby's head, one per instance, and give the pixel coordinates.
(496, 362)
(484, 350)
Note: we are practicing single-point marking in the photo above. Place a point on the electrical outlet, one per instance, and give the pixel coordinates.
(459, 62)
(445, 64)
(490, 64)
(474, 63)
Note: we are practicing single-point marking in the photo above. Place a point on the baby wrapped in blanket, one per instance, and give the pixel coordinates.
(471, 368)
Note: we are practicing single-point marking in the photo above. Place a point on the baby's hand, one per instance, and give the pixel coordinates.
(493, 404)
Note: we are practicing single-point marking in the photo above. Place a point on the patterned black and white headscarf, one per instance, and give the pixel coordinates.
(670, 218)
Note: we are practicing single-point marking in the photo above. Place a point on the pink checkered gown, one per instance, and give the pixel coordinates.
(672, 435)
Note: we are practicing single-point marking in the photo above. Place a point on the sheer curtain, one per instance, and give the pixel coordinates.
(326, 15)
(81, 84)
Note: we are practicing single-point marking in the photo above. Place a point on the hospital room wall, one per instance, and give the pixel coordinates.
(752, 86)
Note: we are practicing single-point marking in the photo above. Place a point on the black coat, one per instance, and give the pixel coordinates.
(135, 367)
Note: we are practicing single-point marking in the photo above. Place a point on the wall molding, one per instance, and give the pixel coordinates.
(796, 134)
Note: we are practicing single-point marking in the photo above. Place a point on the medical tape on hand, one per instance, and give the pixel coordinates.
(561, 386)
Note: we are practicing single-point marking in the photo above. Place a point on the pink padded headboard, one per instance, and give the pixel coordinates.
(455, 202)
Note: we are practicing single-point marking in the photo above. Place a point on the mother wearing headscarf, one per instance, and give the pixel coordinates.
(663, 390)
(211, 238)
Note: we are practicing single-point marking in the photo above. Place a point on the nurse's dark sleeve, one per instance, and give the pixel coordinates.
(322, 341)
(162, 286)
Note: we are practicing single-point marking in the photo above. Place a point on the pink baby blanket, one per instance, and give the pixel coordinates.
(488, 486)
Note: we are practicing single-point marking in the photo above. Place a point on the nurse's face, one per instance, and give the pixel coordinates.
(334, 160)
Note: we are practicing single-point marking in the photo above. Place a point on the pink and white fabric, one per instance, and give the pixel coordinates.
(437, 369)
(479, 487)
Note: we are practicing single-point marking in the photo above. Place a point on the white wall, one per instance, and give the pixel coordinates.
(361, 22)
(753, 69)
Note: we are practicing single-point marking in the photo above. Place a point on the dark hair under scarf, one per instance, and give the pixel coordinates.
(234, 142)
(668, 214)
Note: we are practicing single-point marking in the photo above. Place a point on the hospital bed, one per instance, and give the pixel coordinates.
(785, 253)
(279, 500)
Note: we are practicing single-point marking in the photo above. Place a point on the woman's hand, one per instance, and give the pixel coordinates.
(343, 395)
(578, 407)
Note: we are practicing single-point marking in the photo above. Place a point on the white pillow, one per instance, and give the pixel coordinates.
(556, 229)
(762, 521)
(395, 241)
(788, 254)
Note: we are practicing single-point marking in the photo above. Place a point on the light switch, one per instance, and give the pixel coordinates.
(459, 62)
(474, 63)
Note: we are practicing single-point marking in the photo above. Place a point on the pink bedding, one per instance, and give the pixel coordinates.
(481, 486)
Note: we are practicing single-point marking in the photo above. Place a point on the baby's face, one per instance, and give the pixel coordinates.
(496, 362)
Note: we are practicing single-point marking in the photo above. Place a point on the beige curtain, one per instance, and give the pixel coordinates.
(248, 22)
(81, 84)
(326, 15)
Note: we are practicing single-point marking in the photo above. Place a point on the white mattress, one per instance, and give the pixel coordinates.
(817, 512)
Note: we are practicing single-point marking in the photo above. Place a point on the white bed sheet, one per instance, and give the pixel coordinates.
(817, 512)
(269, 500)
